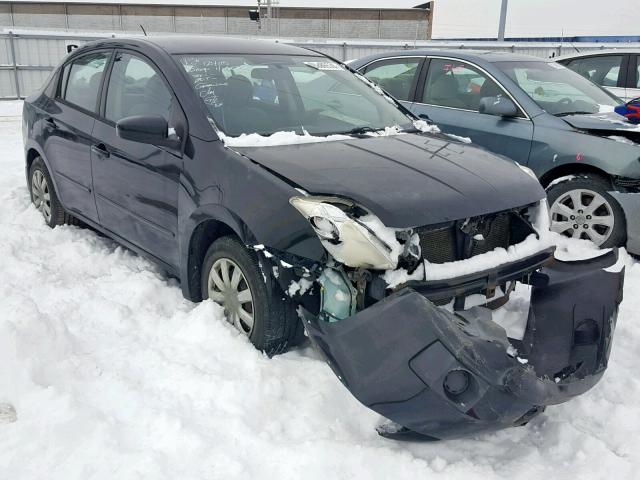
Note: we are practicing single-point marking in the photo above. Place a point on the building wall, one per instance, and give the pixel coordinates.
(288, 22)
(531, 19)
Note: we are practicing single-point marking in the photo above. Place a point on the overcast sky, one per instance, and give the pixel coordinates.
(536, 18)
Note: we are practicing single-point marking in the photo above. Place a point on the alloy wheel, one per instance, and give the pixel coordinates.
(41, 195)
(228, 286)
(584, 214)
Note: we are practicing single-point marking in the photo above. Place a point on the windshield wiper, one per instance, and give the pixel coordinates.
(564, 114)
(362, 130)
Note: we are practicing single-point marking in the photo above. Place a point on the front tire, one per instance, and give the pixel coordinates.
(44, 196)
(581, 207)
(254, 303)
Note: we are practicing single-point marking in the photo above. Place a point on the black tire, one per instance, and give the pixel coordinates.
(276, 324)
(617, 235)
(58, 215)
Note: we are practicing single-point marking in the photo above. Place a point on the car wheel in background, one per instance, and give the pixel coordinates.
(44, 197)
(581, 207)
(253, 303)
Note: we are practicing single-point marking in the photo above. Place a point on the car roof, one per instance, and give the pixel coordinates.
(469, 55)
(202, 44)
(594, 53)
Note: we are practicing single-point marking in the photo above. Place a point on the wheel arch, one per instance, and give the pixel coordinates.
(207, 229)
(572, 169)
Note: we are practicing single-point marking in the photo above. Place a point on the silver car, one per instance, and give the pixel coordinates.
(616, 70)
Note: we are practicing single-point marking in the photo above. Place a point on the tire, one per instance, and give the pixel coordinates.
(44, 196)
(276, 325)
(571, 205)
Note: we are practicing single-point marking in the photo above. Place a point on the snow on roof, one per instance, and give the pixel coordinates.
(340, 4)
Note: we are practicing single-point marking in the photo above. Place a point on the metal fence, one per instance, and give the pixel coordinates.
(26, 59)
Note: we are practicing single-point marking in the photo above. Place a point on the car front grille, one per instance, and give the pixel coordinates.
(455, 241)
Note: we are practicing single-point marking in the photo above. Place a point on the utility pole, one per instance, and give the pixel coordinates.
(503, 20)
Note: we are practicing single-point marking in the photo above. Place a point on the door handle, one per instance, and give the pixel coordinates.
(50, 122)
(100, 150)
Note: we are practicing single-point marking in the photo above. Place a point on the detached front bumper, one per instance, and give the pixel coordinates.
(441, 375)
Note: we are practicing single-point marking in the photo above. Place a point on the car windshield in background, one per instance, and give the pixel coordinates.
(265, 94)
(557, 89)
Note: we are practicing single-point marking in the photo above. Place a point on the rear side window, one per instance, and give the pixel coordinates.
(82, 78)
(396, 76)
(603, 70)
(136, 88)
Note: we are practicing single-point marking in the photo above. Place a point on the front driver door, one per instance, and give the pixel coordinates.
(450, 95)
(136, 184)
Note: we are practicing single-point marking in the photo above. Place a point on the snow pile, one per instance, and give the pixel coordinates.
(114, 375)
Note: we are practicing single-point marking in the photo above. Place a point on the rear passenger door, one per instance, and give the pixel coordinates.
(136, 184)
(608, 71)
(67, 133)
(397, 76)
(450, 93)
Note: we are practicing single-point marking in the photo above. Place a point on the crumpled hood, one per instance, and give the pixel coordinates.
(604, 124)
(407, 180)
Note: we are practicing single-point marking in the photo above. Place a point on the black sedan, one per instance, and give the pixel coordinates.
(278, 183)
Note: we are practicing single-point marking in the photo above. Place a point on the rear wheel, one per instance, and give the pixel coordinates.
(581, 207)
(253, 302)
(44, 197)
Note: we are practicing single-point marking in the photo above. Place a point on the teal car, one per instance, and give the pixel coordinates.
(538, 113)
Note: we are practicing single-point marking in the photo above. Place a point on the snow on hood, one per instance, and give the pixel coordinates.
(292, 138)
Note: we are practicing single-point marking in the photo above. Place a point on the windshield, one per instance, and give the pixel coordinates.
(559, 90)
(265, 94)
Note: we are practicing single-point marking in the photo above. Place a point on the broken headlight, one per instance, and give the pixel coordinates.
(355, 241)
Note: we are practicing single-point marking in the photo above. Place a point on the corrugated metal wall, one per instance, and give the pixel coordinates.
(36, 55)
(287, 22)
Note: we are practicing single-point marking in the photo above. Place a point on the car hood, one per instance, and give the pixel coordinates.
(604, 124)
(407, 180)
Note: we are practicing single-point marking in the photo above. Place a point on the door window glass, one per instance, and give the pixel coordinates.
(603, 70)
(136, 88)
(455, 84)
(84, 79)
(395, 76)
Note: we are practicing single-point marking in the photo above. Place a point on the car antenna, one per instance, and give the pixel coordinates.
(143, 30)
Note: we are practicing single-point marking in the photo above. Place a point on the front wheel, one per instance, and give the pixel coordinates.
(582, 208)
(253, 302)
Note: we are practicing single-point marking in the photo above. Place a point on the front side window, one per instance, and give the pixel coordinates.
(396, 76)
(83, 79)
(455, 84)
(603, 70)
(265, 94)
(557, 89)
(136, 88)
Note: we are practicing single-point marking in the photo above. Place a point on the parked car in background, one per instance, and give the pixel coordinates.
(538, 113)
(616, 70)
(297, 195)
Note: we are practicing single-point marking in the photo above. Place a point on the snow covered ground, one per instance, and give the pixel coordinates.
(113, 375)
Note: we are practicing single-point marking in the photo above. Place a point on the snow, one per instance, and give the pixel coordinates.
(299, 287)
(113, 374)
(458, 138)
(620, 139)
(559, 180)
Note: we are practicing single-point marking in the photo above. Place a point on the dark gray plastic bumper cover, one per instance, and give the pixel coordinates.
(397, 356)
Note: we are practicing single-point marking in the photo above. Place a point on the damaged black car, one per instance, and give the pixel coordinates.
(303, 199)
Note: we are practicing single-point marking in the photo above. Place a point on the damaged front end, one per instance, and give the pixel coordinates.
(401, 335)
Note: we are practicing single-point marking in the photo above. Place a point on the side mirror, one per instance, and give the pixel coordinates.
(499, 106)
(152, 129)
